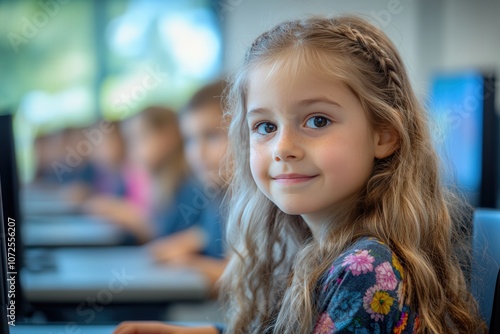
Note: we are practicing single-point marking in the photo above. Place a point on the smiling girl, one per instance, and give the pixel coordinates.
(338, 222)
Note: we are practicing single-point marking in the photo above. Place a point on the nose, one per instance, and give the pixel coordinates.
(287, 147)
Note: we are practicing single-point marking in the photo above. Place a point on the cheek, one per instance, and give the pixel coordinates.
(258, 166)
(348, 165)
(347, 158)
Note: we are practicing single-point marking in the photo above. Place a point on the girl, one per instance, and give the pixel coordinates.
(338, 222)
(160, 149)
(121, 187)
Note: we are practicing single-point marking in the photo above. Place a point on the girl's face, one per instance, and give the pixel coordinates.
(311, 146)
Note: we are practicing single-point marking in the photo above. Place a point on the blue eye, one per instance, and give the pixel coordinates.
(265, 128)
(316, 122)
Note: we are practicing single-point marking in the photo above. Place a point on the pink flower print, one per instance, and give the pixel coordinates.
(386, 278)
(359, 263)
(325, 325)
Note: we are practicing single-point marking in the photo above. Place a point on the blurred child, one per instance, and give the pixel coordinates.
(109, 155)
(48, 148)
(61, 165)
(121, 187)
(52, 178)
(159, 147)
(205, 144)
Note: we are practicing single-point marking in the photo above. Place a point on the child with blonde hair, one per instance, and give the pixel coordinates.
(338, 222)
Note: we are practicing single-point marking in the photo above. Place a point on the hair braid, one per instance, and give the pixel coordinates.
(374, 52)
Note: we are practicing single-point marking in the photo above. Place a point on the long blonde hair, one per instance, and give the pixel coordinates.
(272, 277)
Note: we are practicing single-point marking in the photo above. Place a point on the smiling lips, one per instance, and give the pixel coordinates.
(292, 178)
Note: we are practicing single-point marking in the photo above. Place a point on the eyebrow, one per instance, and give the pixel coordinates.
(303, 103)
(326, 100)
(256, 111)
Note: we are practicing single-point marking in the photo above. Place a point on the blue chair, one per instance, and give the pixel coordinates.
(495, 315)
(485, 259)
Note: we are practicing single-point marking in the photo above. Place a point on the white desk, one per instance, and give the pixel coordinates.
(70, 230)
(41, 192)
(109, 275)
(49, 207)
(46, 200)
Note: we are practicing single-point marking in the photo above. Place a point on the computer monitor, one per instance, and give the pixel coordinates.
(4, 288)
(11, 209)
(464, 126)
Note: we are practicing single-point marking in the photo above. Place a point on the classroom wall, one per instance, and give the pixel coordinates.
(459, 34)
(472, 33)
(245, 19)
(472, 36)
(431, 35)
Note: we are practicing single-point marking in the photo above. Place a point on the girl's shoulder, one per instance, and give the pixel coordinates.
(364, 291)
(365, 260)
(369, 249)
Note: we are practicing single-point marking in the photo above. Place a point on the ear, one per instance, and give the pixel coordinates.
(386, 142)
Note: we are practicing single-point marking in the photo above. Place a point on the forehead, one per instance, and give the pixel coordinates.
(292, 78)
(323, 63)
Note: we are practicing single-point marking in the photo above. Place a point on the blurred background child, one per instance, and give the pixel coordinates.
(48, 148)
(121, 188)
(159, 147)
(59, 166)
(205, 144)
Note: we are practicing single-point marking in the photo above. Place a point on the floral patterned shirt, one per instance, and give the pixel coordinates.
(363, 292)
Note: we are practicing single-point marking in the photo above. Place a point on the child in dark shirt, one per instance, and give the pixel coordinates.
(205, 143)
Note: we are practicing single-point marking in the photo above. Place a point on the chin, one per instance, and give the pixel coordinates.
(290, 209)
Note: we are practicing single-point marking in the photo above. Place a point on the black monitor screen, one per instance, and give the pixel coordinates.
(11, 211)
